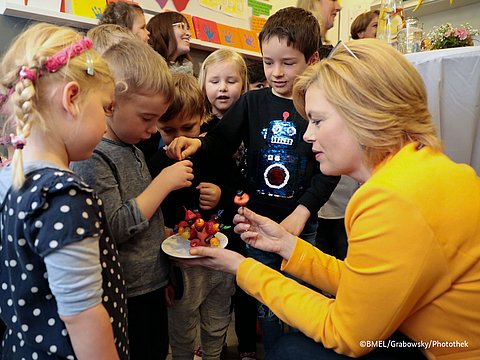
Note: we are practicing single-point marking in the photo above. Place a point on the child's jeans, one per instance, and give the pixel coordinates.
(272, 327)
(205, 302)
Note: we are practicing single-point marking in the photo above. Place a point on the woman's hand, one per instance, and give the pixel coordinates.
(215, 258)
(182, 147)
(209, 195)
(263, 233)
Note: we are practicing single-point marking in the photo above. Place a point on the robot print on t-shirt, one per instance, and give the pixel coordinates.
(281, 169)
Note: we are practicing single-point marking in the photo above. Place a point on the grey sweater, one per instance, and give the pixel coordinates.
(119, 174)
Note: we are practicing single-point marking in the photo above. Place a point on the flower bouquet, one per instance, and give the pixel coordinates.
(447, 36)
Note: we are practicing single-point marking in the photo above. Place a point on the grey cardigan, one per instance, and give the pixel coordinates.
(118, 173)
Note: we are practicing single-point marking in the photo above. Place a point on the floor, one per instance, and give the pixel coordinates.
(231, 352)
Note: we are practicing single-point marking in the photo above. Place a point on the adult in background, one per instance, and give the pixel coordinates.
(325, 11)
(365, 25)
(331, 235)
(413, 266)
(170, 37)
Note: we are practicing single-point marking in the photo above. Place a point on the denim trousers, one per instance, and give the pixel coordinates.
(297, 346)
(272, 327)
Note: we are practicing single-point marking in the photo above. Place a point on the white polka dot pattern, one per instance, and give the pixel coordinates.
(65, 210)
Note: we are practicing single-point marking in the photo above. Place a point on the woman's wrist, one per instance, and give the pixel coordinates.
(288, 246)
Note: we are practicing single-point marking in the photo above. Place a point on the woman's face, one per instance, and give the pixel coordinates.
(182, 37)
(328, 10)
(371, 30)
(139, 27)
(334, 146)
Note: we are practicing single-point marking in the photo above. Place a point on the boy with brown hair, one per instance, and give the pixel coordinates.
(282, 176)
(202, 296)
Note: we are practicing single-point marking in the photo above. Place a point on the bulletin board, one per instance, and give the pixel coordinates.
(234, 13)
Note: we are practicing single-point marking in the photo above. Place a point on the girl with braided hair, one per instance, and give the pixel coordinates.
(62, 293)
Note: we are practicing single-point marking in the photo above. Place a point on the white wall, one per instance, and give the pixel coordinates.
(458, 16)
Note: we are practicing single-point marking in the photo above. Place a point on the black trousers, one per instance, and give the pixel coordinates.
(148, 326)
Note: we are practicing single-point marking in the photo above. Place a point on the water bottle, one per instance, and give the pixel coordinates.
(390, 20)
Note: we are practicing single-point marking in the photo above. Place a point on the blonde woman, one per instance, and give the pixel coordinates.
(413, 266)
(325, 11)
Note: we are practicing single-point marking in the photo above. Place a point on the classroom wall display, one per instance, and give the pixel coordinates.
(54, 5)
(229, 36)
(234, 8)
(249, 40)
(87, 8)
(206, 30)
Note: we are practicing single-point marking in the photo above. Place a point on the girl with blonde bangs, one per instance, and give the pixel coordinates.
(238, 70)
(60, 254)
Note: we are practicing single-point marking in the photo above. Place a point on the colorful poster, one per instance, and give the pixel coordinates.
(259, 8)
(229, 36)
(206, 30)
(234, 8)
(257, 23)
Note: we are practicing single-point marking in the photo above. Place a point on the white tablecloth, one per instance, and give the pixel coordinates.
(452, 79)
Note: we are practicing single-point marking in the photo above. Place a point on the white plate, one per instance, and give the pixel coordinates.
(178, 247)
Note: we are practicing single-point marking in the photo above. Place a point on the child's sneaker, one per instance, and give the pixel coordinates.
(248, 356)
(198, 353)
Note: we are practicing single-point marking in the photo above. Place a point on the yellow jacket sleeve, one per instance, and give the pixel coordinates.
(389, 268)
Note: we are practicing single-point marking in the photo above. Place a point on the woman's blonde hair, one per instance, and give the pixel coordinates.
(379, 95)
(310, 6)
(138, 69)
(27, 101)
(216, 57)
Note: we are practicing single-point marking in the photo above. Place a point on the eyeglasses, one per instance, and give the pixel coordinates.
(337, 46)
(181, 25)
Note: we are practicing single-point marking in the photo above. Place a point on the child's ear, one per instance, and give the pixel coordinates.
(109, 109)
(313, 59)
(70, 98)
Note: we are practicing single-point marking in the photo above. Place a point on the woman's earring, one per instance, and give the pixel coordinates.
(363, 146)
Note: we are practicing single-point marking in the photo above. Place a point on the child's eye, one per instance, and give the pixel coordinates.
(232, 81)
(289, 63)
(214, 81)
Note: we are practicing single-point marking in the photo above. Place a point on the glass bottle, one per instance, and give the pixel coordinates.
(409, 39)
(391, 20)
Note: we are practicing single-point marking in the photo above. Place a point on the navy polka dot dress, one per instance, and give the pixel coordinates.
(52, 209)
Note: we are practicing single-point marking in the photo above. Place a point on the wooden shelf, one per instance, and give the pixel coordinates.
(428, 6)
(80, 22)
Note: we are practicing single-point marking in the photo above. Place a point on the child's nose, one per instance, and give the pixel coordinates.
(278, 70)
(223, 86)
